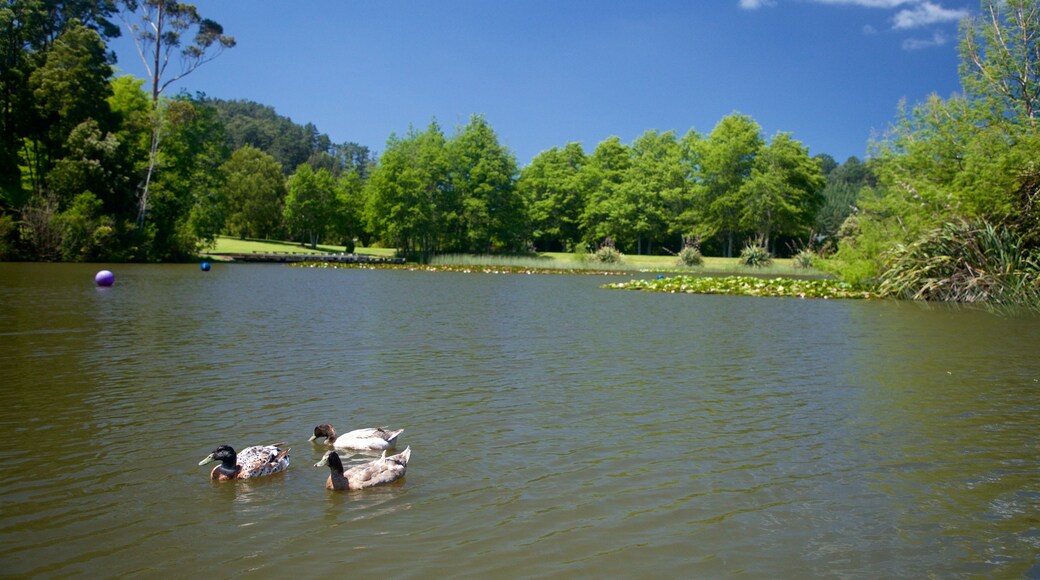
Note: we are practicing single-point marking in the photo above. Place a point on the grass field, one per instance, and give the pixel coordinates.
(228, 245)
(549, 260)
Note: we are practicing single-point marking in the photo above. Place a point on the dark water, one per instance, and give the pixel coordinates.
(558, 429)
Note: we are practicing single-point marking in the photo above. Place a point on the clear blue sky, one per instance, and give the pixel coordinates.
(548, 72)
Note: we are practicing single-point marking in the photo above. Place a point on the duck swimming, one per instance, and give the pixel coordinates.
(379, 472)
(255, 461)
(370, 439)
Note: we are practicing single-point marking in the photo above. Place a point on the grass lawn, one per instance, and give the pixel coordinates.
(229, 245)
(551, 260)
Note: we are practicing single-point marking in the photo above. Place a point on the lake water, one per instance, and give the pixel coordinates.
(557, 429)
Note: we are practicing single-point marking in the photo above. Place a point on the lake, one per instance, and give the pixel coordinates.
(558, 429)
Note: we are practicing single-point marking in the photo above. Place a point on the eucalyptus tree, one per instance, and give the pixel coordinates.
(158, 28)
(554, 186)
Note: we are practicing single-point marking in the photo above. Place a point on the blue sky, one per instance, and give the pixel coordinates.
(548, 72)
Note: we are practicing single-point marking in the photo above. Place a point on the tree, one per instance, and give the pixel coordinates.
(70, 87)
(484, 175)
(410, 202)
(255, 193)
(782, 194)
(554, 190)
(1000, 58)
(157, 29)
(726, 159)
(604, 174)
(310, 203)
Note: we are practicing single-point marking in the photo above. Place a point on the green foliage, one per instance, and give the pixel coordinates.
(755, 255)
(690, 256)
(483, 172)
(555, 190)
(607, 253)
(310, 203)
(965, 261)
(804, 258)
(747, 286)
(782, 194)
(255, 193)
(726, 160)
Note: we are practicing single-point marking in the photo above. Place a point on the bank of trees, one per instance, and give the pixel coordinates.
(98, 167)
(955, 213)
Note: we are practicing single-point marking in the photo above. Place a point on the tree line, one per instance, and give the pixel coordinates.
(94, 167)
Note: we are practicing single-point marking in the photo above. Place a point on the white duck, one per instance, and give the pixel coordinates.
(379, 472)
(370, 439)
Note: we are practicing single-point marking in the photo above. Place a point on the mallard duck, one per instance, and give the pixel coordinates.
(379, 472)
(256, 461)
(371, 439)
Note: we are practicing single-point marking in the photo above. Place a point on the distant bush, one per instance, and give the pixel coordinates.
(804, 258)
(607, 253)
(690, 257)
(755, 256)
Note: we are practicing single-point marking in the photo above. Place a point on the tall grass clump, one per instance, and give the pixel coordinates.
(755, 255)
(607, 253)
(965, 261)
(804, 258)
(690, 255)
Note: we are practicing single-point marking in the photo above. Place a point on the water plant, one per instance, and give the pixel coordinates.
(748, 286)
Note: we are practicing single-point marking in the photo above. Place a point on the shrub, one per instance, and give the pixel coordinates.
(689, 257)
(965, 261)
(804, 258)
(755, 256)
(607, 253)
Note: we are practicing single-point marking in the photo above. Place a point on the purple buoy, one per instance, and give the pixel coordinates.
(104, 278)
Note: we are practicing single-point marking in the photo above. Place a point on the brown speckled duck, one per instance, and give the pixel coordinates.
(379, 472)
(370, 439)
(255, 461)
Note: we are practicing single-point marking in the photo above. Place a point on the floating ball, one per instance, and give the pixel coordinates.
(660, 276)
(204, 266)
(104, 278)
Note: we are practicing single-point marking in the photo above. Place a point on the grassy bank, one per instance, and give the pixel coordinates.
(548, 261)
(229, 245)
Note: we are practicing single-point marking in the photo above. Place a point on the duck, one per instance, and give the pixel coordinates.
(369, 439)
(379, 472)
(251, 462)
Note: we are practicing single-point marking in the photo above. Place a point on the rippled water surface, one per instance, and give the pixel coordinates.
(558, 429)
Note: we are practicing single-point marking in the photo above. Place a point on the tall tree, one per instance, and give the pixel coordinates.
(484, 173)
(726, 160)
(409, 201)
(157, 27)
(310, 203)
(70, 87)
(782, 194)
(1000, 57)
(554, 188)
(255, 193)
(605, 174)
